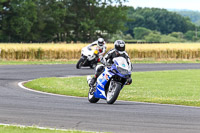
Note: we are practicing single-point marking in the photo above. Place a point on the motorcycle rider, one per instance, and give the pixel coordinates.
(101, 47)
(118, 51)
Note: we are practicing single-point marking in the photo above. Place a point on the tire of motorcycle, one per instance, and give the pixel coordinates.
(93, 66)
(113, 92)
(79, 63)
(91, 98)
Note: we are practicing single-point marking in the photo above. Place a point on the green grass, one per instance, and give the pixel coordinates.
(75, 86)
(18, 129)
(31, 62)
(181, 87)
(164, 61)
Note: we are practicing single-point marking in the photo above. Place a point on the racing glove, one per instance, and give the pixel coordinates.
(129, 81)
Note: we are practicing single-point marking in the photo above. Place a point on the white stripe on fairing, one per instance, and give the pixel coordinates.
(20, 84)
(102, 92)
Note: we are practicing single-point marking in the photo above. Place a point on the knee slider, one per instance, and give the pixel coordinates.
(99, 68)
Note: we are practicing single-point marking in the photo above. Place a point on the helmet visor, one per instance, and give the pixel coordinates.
(121, 48)
(100, 43)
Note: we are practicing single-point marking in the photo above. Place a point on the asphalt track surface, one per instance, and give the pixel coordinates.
(23, 107)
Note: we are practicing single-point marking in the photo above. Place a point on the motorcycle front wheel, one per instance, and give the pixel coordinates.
(91, 97)
(113, 92)
(79, 63)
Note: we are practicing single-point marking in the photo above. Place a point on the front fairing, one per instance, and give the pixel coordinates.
(121, 68)
(89, 53)
(114, 70)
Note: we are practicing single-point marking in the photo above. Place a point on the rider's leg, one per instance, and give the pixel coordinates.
(99, 70)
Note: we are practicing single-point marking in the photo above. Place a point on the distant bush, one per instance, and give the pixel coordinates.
(152, 37)
(141, 32)
(168, 38)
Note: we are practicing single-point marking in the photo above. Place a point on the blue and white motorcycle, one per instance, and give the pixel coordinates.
(110, 82)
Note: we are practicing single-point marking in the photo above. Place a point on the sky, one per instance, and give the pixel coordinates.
(167, 4)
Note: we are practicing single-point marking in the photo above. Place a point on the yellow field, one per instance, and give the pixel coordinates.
(73, 51)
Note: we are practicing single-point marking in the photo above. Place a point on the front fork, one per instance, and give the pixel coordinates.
(84, 58)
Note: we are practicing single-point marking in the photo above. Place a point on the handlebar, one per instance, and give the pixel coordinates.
(105, 63)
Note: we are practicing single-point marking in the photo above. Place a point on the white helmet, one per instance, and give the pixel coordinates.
(100, 42)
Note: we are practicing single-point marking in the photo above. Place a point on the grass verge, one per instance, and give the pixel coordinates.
(181, 87)
(19, 129)
(38, 62)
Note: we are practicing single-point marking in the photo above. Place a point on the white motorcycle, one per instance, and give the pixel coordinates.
(89, 57)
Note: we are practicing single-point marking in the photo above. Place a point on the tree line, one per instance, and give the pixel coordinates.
(85, 20)
(158, 25)
(58, 20)
(193, 15)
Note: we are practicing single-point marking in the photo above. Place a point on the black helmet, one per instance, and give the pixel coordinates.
(120, 46)
(100, 42)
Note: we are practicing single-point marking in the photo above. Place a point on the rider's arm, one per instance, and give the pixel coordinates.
(129, 61)
(127, 58)
(104, 50)
(92, 44)
(129, 80)
(108, 57)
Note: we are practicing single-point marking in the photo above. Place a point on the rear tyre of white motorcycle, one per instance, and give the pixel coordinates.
(91, 98)
(111, 98)
(79, 63)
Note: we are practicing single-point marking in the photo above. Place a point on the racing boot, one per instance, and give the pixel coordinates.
(92, 81)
